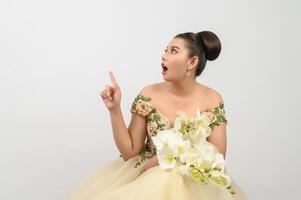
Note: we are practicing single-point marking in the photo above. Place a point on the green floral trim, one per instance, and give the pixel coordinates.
(156, 118)
(144, 155)
(147, 107)
(219, 116)
(139, 96)
(148, 150)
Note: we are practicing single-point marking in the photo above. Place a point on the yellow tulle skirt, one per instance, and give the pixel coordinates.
(120, 180)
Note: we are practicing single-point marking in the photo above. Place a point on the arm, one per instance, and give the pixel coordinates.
(129, 141)
(218, 137)
(121, 134)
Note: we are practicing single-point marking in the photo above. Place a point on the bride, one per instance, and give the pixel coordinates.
(136, 173)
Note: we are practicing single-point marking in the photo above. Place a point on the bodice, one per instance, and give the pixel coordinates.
(156, 122)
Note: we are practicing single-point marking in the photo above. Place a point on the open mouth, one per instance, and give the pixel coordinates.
(164, 67)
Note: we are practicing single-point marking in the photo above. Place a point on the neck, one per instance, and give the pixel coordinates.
(182, 88)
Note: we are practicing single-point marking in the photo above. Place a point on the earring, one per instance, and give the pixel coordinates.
(188, 72)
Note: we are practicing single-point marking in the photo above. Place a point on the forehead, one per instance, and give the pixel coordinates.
(178, 42)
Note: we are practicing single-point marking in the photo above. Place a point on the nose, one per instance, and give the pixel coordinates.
(163, 56)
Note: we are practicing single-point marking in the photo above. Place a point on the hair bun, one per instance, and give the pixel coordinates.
(211, 44)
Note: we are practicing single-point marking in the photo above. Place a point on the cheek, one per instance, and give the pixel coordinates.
(177, 64)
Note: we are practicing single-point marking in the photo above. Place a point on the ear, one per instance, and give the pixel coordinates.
(193, 62)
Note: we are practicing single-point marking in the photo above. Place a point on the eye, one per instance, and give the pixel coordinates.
(172, 50)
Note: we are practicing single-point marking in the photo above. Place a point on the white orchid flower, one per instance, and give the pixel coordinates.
(219, 162)
(166, 138)
(166, 158)
(186, 145)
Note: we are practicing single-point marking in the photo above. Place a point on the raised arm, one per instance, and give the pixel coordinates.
(129, 141)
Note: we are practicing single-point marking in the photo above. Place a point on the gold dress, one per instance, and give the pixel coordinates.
(120, 180)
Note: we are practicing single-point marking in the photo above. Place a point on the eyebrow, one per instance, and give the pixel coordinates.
(174, 47)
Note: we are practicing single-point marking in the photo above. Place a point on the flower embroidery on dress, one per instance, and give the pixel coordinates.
(156, 122)
(144, 155)
(141, 105)
(217, 116)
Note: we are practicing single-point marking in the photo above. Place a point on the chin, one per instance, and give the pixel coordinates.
(167, 79)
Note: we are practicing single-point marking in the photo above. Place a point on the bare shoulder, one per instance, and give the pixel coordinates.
(149, 90)
(214, 97)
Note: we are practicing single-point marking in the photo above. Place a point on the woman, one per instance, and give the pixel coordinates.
(136, 174)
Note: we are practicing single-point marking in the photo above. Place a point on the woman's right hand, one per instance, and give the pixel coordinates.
(111, 95)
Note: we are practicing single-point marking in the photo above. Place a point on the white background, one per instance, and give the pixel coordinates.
(54, 57)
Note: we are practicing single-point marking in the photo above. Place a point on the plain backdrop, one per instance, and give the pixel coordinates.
(54, 57)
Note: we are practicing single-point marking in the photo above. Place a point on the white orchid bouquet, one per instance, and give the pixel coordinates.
(186, 146)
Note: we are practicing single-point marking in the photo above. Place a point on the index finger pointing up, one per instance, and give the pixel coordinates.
(112, 77)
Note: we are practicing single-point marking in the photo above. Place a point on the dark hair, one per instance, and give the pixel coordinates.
(205, 45)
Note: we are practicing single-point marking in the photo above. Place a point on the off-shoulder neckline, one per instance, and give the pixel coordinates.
(168, 121)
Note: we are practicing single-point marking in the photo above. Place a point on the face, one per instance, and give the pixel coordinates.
(175, 61)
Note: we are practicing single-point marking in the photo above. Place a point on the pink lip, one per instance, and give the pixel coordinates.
(164, 66)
